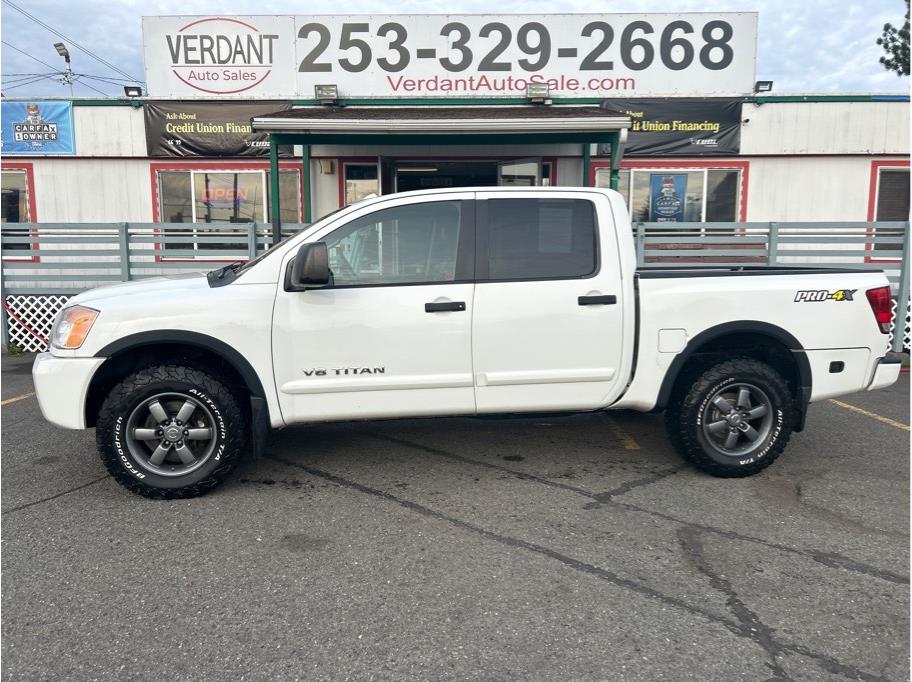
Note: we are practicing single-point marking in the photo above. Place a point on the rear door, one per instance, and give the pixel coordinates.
(547, 321)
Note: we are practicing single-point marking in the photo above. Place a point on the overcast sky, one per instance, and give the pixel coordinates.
(804, 46)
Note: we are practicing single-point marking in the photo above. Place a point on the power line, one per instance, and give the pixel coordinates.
(27, 54)
(28, 82)
(104, 79)
(71, 41)
(90, 87)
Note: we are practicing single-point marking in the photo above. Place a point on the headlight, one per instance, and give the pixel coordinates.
(72, 327)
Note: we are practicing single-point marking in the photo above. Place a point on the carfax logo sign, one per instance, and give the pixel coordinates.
(219, 55)
(37, 128)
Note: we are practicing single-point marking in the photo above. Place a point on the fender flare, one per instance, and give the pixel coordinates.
(803, 389)
(204, 341)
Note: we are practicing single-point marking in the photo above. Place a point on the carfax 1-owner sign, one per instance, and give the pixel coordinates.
(37, 128)
(470, 55)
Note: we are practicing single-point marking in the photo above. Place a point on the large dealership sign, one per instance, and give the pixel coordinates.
(206, 129)
(577, 55)
(37, 128)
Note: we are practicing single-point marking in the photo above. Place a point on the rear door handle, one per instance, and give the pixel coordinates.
(444, 306)
(609, 299)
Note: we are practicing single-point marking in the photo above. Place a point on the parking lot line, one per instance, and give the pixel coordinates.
(872, 415)
(625, 438)
(17, 398)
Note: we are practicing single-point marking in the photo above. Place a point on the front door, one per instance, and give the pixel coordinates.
(548, 327)
(392, 335)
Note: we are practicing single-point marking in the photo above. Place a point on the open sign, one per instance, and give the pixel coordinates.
(225, 195)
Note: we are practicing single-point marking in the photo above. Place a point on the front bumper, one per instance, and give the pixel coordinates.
(61, 386)
(887, 372)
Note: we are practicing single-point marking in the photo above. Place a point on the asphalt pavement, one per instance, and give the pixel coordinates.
(534, 548)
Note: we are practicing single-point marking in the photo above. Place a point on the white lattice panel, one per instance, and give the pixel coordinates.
(37, 313)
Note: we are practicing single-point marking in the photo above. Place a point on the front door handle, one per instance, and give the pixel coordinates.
(609, 299)
(444, 306)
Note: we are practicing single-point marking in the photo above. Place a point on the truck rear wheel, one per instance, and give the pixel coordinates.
(734, 419)
(170, 431)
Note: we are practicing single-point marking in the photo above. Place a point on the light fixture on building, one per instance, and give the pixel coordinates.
(763, 86)
(327, 94)
(62, 51)
(417, 169)
(132, 91)
(538, 93)
(327, 167)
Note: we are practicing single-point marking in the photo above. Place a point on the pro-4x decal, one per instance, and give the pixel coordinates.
(824, 295)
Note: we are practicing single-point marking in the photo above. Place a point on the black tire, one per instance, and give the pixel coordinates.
(693, 408)
(131, 461)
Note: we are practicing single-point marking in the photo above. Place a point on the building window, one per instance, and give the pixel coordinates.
(361, 180)
(205, 197)
(678, 195)
(540, 238)
(547, 178)
(15, 202)
(15, 197)
(892, 203)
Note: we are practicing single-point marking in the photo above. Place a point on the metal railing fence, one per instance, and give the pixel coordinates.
(46, 263)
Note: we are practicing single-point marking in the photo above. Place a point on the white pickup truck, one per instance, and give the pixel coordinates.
(467, 302)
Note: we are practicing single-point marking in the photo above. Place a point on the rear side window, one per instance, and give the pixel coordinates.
(540, 238)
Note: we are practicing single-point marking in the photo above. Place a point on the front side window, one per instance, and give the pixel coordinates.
(400, 245)
(540, 239)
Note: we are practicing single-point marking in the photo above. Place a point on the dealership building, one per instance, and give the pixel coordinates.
(347, 109)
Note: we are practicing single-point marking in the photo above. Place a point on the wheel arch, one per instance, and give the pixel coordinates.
(130, 352)
(766, 335)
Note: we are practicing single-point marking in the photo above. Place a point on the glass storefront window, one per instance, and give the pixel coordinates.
(224, 197)
(892, 204)
(722, 196)
(676, 195)
(361, 180)
(15, 202)
(15, 197)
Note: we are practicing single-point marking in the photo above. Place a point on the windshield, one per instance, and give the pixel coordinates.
(272, 249)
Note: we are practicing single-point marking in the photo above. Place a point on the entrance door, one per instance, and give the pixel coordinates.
(392, 335)
(548, 328)
(519, 173)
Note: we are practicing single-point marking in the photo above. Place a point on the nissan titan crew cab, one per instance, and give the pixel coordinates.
(469, 302)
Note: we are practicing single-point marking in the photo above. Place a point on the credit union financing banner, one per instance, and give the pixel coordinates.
(682, 127)
(468, 55)
(203, 129)
(36, 128)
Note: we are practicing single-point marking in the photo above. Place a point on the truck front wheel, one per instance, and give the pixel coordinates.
(734, 419)
(171, 431)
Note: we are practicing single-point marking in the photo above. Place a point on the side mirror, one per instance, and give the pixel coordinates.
(309, 269)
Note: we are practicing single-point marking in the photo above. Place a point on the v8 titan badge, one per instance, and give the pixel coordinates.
(824, 295)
